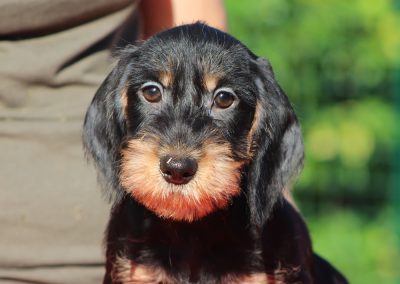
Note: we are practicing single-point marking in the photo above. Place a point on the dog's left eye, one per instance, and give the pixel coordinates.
(224, 98)
(152, 92)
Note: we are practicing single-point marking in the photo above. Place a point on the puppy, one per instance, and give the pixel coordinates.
(194, 141)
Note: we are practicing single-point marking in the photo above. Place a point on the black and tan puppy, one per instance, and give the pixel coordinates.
(195, 141)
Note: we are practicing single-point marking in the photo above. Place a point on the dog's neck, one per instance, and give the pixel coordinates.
(224, 237)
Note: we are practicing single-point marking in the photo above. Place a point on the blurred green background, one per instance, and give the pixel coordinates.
(338, 61)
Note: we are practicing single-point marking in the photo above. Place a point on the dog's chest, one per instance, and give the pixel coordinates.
(183, 255)
(127, 271)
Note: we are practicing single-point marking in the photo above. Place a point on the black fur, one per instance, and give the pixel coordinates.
(258, 231)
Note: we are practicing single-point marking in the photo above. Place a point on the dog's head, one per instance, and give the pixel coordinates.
(190, 119)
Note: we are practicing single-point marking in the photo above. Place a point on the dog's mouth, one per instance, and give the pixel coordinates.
(180, 183)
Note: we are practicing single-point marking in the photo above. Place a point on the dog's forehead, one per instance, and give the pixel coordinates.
(208, 59)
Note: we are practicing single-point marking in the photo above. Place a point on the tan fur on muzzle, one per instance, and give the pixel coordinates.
(213, 186)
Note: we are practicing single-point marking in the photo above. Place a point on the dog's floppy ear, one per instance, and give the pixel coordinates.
(277, 145)
(105, 127)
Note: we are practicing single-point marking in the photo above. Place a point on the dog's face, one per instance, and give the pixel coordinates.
(191, 119)
(189, 111)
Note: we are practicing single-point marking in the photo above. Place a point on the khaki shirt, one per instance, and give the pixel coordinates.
(53, 56)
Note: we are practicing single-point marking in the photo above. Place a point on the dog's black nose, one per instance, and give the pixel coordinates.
(178, 170)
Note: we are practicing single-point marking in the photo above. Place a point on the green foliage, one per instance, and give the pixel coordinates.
(321, 50)
(335, 60)
(338, 61)
(341, 142)
(366, 251)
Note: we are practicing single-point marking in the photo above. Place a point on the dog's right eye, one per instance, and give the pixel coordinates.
(152, 92)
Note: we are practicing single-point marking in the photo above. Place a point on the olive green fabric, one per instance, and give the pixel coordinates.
(53, 56)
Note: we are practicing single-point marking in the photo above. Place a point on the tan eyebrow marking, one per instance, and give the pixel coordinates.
(166, 78)
(210, 82)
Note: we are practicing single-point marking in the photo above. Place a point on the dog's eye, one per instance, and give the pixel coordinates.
(224, 98)
(152, 92)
